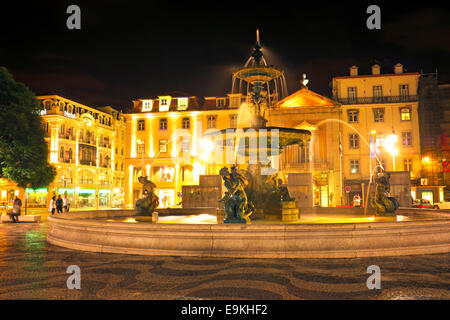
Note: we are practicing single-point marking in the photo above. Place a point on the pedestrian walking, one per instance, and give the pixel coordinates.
(59, 204)
(52, 206)
(66, 203)
(16, 210)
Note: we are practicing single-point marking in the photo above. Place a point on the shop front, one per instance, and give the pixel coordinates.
(166, 198)
(36, 198)
(86, 198)
(104, 198)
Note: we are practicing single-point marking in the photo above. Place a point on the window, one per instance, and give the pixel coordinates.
(354, 166)
(407, 164)
(379, 140)
(163, 145)
(186, 123)
(377, 92)
(141, 125)
(405, 114)
(186, 145)
(182, 103)
(233, 120)
(404, 91)
(378, 114)
(163, 124)
(220, 103)
(235, 101)
(353, 116)
(351, 92)
(164, 103)
(354, 141)
(211, 122)
(406, 139)
(47, 105)
(140, 148)
(147, 105)
(61, 153)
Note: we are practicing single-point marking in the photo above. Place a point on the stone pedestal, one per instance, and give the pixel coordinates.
(288, 212)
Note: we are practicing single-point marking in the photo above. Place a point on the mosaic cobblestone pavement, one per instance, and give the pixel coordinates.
(30, 268)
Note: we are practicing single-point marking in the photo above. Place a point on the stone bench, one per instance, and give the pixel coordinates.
(30, 218)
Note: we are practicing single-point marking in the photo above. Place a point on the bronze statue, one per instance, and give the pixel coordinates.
(384, 205)
(146, 205)
(236, 205)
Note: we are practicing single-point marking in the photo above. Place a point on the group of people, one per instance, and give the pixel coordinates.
(59, 204)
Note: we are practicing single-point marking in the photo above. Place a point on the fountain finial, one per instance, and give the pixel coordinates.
(257, 54)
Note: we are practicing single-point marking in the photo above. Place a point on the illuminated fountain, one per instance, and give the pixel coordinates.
(257, 146)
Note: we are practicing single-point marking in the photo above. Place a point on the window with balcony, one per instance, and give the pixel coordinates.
(406, 139)
(377, 93)
(163, 124)
(378, 114)
(354, 141)
(353, 116)
(404, 91)
(351, 93)
(354, 166)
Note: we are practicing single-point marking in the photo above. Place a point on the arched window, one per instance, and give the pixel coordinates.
(70, 153)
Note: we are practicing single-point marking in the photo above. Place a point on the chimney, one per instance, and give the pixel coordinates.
(375, 69)
(353, 71)
(398, 68)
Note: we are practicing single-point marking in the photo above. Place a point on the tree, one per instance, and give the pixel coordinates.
(23, 150)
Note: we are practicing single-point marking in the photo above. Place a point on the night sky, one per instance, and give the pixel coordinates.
(127, 50)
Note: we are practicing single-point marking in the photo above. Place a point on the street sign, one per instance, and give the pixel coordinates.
(348, 188)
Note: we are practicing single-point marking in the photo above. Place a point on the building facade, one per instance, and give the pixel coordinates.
(166, 137)
(87, 147)
(381, 110)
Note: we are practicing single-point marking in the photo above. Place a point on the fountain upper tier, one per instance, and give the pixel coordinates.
(258, 74)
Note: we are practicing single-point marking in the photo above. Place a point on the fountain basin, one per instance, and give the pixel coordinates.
(323, 240)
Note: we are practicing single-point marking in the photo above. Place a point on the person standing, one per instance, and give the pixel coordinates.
(59, 204)
(52, 206)
(66, 203)
(16, 210)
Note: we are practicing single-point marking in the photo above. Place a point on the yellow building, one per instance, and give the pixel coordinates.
(165, 135)
(87, 147)
(382, 108)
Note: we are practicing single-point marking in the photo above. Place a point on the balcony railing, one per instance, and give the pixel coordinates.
(375, 100)
(86, 181)
(88, 162)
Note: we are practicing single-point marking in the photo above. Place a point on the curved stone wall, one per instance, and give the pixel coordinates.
(349, 240)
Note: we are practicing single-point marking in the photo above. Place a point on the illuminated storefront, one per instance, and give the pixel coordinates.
(36, 198)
